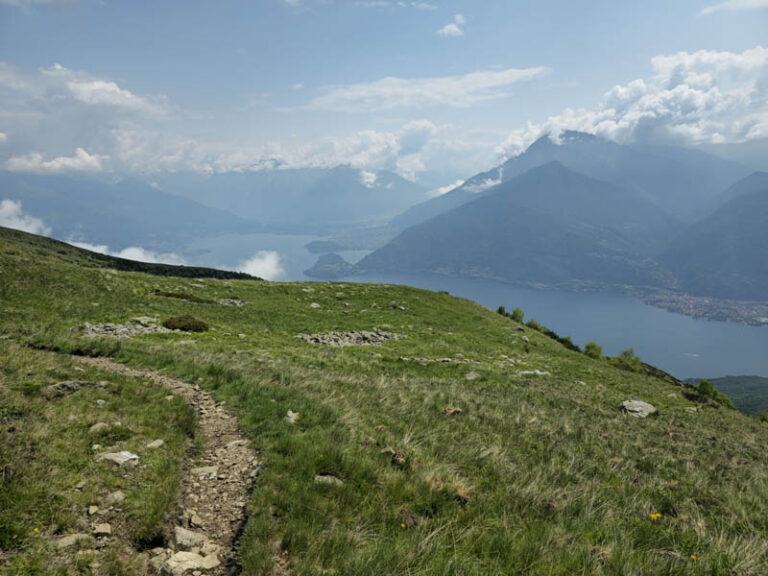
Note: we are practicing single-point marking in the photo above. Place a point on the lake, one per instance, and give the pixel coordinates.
(680, 345)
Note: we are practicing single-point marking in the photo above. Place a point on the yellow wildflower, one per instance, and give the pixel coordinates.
(36, 530)
(693, 556)
(402, 525)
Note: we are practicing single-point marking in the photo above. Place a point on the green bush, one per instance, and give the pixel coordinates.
(185, 323)
(593, 350)
(517, 315)
(628, 360)
(533, 325)
(501, 310)
(706, 389)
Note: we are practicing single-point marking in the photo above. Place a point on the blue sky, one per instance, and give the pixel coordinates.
(433, 89)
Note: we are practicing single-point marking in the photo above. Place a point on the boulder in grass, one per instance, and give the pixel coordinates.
(637, 408)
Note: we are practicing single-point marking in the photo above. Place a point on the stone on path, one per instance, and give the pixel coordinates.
(102, 530)
(182, 562)
(186, 539)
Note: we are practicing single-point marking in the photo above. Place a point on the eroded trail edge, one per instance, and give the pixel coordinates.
(214, 491)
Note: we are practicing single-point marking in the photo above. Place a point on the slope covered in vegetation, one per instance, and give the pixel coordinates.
(462, 442)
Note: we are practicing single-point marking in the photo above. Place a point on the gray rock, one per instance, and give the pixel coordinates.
(186, 539)
(182, 562)
(92, 510)
(637, 408)
(291, 417)
(354, 338)
(114, 498)
(471, 375)
(156, 444)
(329, 480)
(69, 541)
(691, 409)
(102, 530)
(98, 427)
(120, 458)
(314, 305)
(533, 373)
(207, 472)
(231, 302)
(69, 387)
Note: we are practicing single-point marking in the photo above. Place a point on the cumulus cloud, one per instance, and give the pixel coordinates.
(730, 5)
(3, 138)
(456, 91)
(82, 161)
(265, 264)
(136, 253)
(691, 98)
(12, 216)
(367, 178)
(455, 28)
(445, 189)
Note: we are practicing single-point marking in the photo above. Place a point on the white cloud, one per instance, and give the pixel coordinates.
(735, 5)
(444, 189)
(3, 138)
(368, 179)
(12, 216)
(298, 86)
(82, 161)
(692, 98)
(456, 91)
(455, 28)
(136, 253)
(265, 264)
(59, 111)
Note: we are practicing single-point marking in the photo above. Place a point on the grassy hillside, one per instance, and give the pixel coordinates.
(539, 472)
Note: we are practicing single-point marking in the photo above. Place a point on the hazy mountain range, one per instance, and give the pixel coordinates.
(303, 201)
(116, 212)
(577, 211)
(588, 211)
(686, 183)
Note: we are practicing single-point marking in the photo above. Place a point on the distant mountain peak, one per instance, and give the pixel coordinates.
(566, 137)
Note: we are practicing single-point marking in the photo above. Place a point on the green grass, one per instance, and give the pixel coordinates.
(537, 475)
(46, 450)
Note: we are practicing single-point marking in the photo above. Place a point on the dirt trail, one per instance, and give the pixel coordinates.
(214, 491)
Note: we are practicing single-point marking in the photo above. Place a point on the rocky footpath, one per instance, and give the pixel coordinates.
(214, 492)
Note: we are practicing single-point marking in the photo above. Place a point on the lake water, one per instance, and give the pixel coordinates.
(683, 346)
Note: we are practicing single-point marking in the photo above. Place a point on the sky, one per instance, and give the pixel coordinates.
(435, 90)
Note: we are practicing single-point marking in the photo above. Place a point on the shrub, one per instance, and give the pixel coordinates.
(628, 360)
(517, 315)
(501, 310)
(533, 325)
(185, 323)
(706, 390)
(593, 350)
